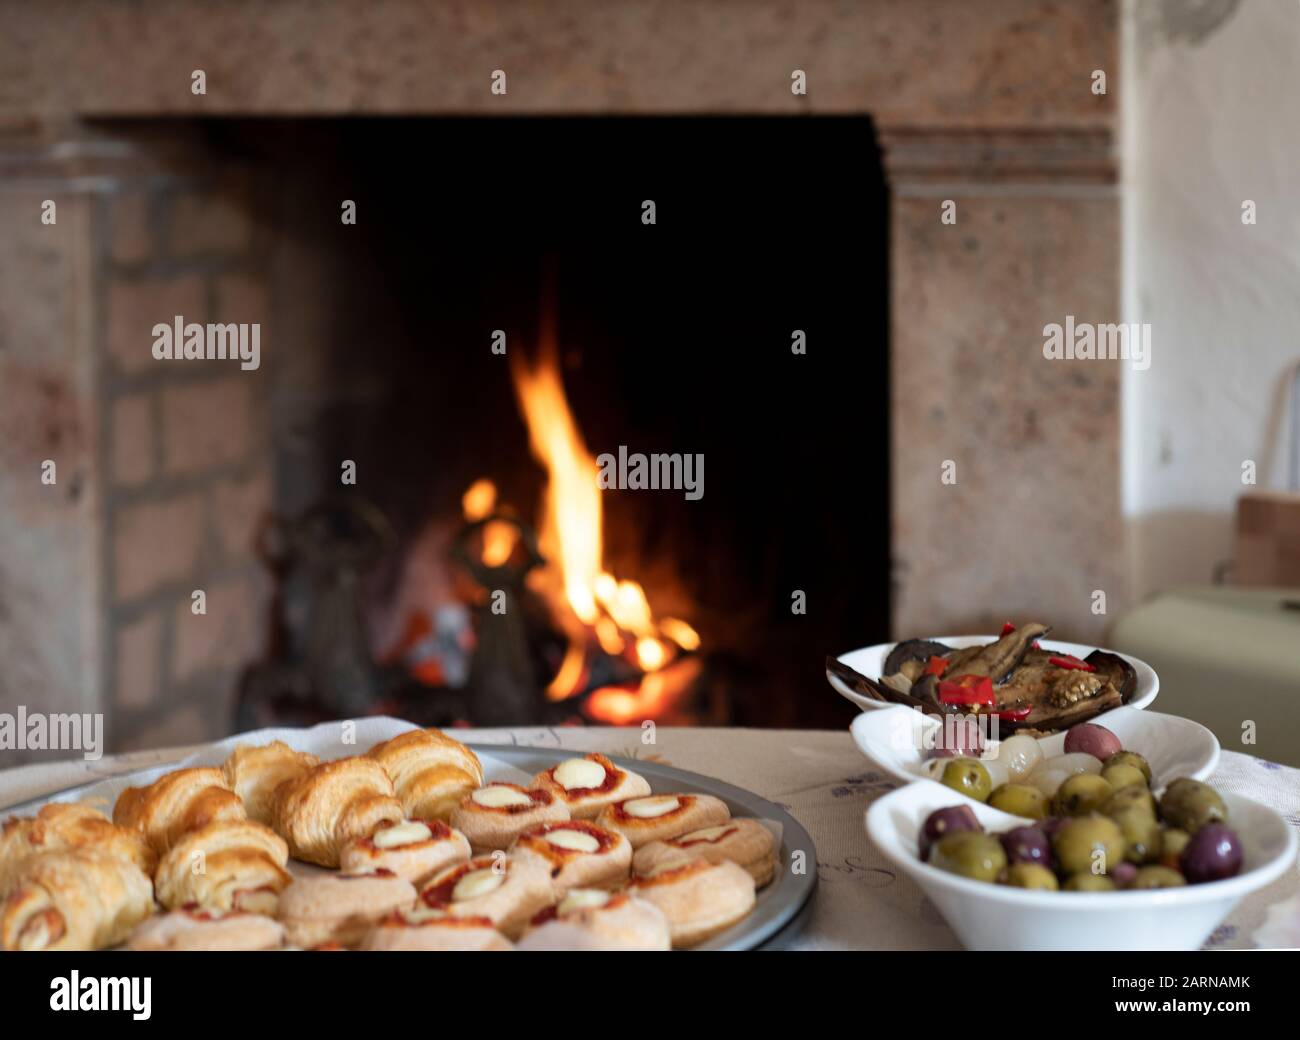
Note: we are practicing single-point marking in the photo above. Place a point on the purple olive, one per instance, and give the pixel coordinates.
(958, 737)
(1027, 845)
(1051, 824)
(1123, 874)
(1093, 740)
(1213, 853)
(943, 822)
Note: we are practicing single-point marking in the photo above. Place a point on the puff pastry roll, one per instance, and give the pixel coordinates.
(699, 898)
(341, 908)
(227, 865)
(494, 816)
(594, 919)
(586, 785)
(181, 801)
(333, 804)
(578, 854)
(435, 931)
(745, 842)
(207, 930)
(413, 849)
(74, 900)
(663, 816)
(431, 772)
(508, 891)
(254, 773)
(67, 826)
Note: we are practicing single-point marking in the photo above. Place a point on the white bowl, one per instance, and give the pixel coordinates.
(895, 740)
(871, 659)
(986, 916)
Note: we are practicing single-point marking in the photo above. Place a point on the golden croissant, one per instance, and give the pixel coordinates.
(254, 773)
(431, 772)
(74, 900)
(61, 826)
(337, 802)
(227, 865)
(181, 801)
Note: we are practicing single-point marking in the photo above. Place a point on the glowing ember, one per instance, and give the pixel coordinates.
(654, 698)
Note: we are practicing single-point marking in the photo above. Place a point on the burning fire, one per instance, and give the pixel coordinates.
(591, 605)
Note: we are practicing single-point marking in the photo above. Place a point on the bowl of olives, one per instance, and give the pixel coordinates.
(908, 744)
(1128, 868)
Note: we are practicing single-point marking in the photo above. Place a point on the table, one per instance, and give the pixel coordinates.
(824, 782)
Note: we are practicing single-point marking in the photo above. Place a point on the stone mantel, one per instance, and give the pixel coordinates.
(909, 63)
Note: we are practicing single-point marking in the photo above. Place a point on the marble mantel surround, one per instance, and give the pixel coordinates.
(989, 105)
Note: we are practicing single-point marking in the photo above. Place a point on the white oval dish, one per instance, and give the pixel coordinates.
(896, 738)
(871, 659)
(986, 916)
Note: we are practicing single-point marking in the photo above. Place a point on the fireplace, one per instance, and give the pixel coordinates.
(820, 472)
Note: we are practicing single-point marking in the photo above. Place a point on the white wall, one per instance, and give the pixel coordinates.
(1211, 104)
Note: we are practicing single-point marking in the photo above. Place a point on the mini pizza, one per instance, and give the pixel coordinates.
(193, 928)
(341, 908)
(594, 919)
(412, 849)
(577, 854)
(699, 898)
(662, 816)
(586, 785)
(435, 931)
(506, 890)
(494, 816)
(745, 842)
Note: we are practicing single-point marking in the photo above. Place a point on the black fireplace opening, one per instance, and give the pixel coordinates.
(745, 325)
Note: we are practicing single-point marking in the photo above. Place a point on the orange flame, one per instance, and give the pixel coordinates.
(570, 531)
(499, 537)
(616, 614)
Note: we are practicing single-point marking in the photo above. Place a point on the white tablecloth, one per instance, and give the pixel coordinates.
(825, 783)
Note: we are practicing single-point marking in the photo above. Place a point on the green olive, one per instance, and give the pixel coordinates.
(1130, 758)
(1088, 840)
(1031, 875)
(970, 854)
(1157, 877)
(1086, 881)
(1130, 798)
(968, 776)
(1020, 800)
(1189, 805)
(1080, 794)
(1172, 843)
(1122, 775)
(1141, 832)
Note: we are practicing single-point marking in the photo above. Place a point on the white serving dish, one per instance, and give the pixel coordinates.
(896, 738)
(871, 659)
(986, 916)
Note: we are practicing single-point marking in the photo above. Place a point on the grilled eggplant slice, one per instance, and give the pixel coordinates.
(913, 650)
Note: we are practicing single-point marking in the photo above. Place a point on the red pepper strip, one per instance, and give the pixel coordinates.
(1015, 714)
(967, 689)
(1070, 661)
(936, 666)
